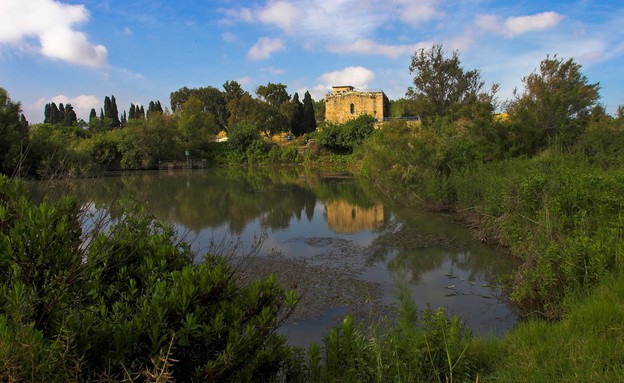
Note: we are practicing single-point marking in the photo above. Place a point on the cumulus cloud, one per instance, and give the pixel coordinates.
(357, 76)
(334, 20)
(245, 81)
(515, 26)
(317, 92)
(52, 25)
(371, 47)
(281, 13)
(417, 11)
(82, 105)
(264, 48)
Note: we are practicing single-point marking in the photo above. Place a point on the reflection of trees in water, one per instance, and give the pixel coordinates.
(418, 246)
(218, 197)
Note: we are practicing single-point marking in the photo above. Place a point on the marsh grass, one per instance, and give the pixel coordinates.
(585, 346)
(418, 346)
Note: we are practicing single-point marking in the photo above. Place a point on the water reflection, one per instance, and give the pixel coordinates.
(346, 218)
(333, 227)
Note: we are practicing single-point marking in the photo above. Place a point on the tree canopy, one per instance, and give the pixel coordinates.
(442, 87)
(557, 101)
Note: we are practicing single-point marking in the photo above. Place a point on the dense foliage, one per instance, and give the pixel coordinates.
(13, 135)
(559, 211)
(125, 301)
(66, 146)
(348, 136)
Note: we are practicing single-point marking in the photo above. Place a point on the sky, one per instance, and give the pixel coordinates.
(78, 52)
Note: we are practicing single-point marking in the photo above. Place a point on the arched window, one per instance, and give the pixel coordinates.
(352, 109)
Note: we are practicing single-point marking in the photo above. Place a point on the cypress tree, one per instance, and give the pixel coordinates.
(54, 114)
(61, 115)
(296, 123)
(23, 121)
(150, 109)
(107, 107)
(70, 116)
(308, 120)
(132, 112)
(114, 113)
(46, 114)
(141, 112)
(92, 115)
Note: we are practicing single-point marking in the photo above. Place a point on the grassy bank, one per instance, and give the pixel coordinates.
(560, 211)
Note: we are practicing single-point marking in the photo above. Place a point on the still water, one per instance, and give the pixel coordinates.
(330, 236)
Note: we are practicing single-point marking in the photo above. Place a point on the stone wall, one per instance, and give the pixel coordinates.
(346, 103)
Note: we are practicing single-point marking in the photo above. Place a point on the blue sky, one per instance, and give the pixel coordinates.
(140, 50)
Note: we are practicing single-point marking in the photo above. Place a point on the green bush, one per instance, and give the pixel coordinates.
(346, 137)
(241, 136)
(124, 301)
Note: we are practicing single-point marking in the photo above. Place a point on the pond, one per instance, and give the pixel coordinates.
(330, 236)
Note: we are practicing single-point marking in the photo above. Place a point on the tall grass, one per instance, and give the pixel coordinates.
(420, 346)
(586, 346)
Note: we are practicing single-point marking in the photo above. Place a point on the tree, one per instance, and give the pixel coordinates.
(61, 114)
(274, 94)
(92, 115)
(194, 124)
(443, 88)
(319, 110)
(242, 110)
(296, 121)
(212, 100)
(273, 109)
(556, 102)
(309, 120)
(70, 117)
(13, 135)
(154, 107)
(114, 113)
(233, 91)
(241, 135)
(111, 114)
(54, 114)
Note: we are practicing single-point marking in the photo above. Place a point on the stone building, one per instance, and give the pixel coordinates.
(346, 103)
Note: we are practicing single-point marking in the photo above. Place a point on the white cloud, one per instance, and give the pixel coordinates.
(82, 105)
(358, 77)
(245, 81)
(282, 14)
(515, 26)
(417, 11)
(52, 24)
(264, 48)
(318, 92)
(334, 20)
(371, 47)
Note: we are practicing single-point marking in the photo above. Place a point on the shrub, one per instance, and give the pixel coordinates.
(125, 300)
(241, 136)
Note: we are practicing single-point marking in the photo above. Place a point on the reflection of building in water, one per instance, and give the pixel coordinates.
(344, 218)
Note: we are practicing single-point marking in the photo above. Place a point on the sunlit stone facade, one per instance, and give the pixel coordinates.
(346, 103)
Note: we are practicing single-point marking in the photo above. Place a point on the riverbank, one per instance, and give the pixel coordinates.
(560, 213)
